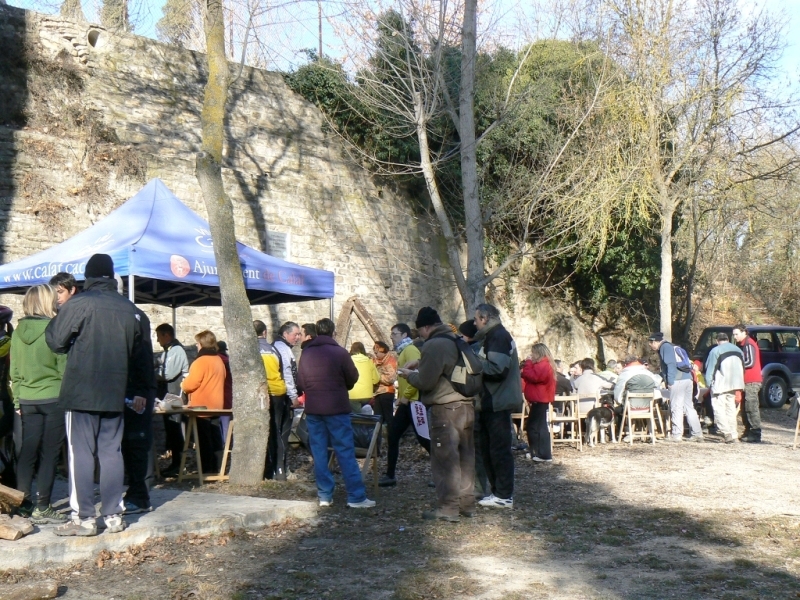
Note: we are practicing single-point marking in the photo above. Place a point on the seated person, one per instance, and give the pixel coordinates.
(634, 377)
(205, 385)
(589, 384)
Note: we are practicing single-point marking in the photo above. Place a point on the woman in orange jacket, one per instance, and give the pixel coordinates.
(205, 385)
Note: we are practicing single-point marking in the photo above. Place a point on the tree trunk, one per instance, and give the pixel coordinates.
(438, 206)
(665, 291)
(250, 397)
(476, 285)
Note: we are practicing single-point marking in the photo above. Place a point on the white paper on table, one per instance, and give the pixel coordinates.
(420, 417)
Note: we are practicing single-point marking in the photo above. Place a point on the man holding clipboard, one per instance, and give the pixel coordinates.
(451, 419)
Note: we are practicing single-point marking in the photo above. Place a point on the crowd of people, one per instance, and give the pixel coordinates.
(82, 371)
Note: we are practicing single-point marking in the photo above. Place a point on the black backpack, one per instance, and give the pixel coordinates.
(467, 374)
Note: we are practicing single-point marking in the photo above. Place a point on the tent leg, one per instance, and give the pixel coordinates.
(131, 292)
(174, 317)
(331, 309)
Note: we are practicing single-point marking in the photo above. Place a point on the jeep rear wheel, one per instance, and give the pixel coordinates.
(774, 392)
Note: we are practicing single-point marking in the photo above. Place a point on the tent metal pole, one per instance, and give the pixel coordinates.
(131, 293)
(174, 317)
(331, 309)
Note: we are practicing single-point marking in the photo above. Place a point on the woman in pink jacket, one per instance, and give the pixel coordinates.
(539, 375)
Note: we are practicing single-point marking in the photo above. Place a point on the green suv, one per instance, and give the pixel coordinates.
(780, 358)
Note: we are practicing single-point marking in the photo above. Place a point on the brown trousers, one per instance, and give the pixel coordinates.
(453, 456)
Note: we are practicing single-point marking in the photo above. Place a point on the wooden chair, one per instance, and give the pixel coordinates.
(640, 407)
(521, 417)
(796, 431)
(567, 419)
(370, 453)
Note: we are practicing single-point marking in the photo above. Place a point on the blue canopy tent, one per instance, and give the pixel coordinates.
(165, 253)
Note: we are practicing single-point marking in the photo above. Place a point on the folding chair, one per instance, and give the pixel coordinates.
(368, 452)
(564, 412)
(521, 417)
(639, 407)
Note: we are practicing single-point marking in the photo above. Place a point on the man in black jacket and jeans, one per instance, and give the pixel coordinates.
(100, 331)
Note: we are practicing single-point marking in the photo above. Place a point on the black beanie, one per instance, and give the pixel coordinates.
(656, 337)
(468, 328)
(427, 316)
(99, 265)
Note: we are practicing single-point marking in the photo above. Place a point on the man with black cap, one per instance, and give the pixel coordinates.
(100, 331)
(451, 421)
(680, 386)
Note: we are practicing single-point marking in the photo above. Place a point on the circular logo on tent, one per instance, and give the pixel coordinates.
(179, 266)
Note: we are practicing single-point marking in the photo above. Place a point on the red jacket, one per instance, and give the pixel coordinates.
(752, 360)
(540, 381)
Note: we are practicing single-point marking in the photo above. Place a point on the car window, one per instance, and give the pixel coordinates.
(764, 341)
(788, 341)
(706, 342)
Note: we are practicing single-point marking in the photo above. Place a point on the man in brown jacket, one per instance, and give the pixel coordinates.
(451, 421)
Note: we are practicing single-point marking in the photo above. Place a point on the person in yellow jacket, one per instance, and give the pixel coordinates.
(280, 408)
(406, 393)
(368, 377)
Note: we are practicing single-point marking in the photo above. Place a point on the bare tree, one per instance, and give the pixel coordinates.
(697, 73)
(251, 399)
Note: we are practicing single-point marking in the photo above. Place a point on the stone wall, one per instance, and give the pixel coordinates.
(99, 113)
(87, 116)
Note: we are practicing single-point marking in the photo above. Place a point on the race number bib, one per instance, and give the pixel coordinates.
(420, 417)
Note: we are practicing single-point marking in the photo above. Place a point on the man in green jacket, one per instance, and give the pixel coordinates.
(451, 419)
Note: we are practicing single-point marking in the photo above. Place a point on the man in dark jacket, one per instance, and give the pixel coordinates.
(502, 395)
(751, 416)
(326, 373)
(100, 331)
(451, 421)
(137, 436)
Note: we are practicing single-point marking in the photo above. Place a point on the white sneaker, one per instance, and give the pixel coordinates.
(492, 501)
(540, 459)
(325, 503)
(365, 503)
(114, 524)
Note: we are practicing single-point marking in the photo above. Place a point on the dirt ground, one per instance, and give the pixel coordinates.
(617, 522)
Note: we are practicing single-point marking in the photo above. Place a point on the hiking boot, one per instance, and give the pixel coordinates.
(47, 516)
(365, 503)
(133, 509)
(492, 501)
(77, 527)
(170, 472)
(731, 439)
(25, 510)
(386, 481)
(672, 439)
(437, 515)
(469, 514)
(753, 437)
(114, 524)
(697, 438)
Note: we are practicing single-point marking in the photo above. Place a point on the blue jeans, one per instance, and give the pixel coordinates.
(335, 431)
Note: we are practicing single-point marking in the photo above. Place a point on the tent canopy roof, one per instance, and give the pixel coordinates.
(168, 249)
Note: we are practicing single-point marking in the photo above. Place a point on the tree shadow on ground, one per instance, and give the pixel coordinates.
(564, 539)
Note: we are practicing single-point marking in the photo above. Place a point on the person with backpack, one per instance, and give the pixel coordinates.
(677, 376)
(451, 417)
(725, 375)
